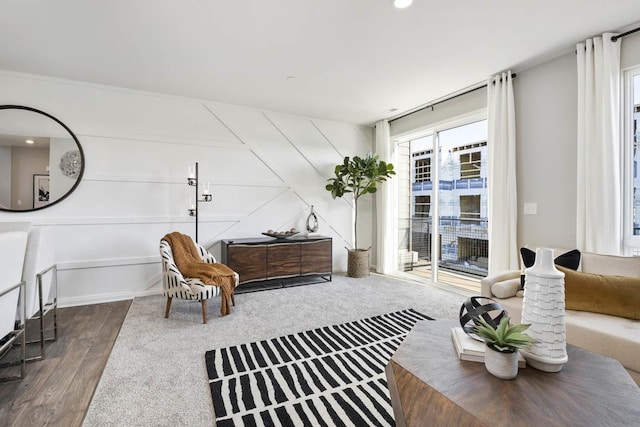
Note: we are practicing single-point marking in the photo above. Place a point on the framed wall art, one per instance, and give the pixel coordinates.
(40, 190)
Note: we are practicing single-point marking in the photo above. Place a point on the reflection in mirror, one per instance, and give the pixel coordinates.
(41, 160)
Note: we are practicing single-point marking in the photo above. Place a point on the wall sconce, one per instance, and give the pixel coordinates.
(192, 180)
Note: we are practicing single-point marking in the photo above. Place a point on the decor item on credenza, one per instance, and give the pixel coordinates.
(543, 307)
(281, 234)
(40, 190)
(358, 176)
(312, 222)
(192, 180)
(503, 344)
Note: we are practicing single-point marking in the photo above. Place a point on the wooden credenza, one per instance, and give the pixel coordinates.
(267, 262)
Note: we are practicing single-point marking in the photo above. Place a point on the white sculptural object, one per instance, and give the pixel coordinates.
(543, 308)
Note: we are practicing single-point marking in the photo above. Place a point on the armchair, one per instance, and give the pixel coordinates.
(175, 284)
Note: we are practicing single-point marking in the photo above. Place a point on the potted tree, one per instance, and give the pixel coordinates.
(502, 345)
(358, 176)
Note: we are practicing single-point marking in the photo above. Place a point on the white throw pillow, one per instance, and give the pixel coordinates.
(506, 288)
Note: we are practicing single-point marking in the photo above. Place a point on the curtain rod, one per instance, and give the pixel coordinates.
(615, 38)
(513, 76)
(619, 36)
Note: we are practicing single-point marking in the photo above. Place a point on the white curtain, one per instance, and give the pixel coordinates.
(502, 191)
(599, 151)
(386, 248)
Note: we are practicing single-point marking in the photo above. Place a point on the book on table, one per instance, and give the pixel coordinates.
(472, 350)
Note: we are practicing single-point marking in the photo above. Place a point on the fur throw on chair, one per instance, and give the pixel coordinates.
(190, 264)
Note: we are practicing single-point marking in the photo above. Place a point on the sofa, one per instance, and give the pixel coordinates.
(608, 335)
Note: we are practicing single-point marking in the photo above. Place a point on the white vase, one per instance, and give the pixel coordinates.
(312, 222)
(543, 308)
(501, 364)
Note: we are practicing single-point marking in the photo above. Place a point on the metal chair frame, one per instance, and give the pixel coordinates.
(17, 334)
(46, 308)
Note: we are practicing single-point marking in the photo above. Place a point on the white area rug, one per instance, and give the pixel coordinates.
(156, 374)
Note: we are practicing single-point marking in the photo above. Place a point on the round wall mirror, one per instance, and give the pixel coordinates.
(41, 160)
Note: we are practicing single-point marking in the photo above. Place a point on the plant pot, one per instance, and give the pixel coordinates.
(358, 263)
(501, 364)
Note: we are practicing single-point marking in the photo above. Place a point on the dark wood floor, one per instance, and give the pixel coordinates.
(57, 391)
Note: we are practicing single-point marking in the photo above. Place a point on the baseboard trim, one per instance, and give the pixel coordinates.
(103, 298)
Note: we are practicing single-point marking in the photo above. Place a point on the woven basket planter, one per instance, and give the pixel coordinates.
(358, 263)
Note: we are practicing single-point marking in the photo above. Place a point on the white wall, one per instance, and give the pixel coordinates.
(26, 162)
(5, 177)
(546, 117)
(265, 170)
(444, 111)
(546, 132)
(630, 51)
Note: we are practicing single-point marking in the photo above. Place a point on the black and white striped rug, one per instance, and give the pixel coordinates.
(330, 376)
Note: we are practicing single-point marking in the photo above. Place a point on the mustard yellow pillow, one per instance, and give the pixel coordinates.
(599, 293)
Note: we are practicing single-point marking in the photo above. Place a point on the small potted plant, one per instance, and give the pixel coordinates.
(502, 345)
(358, 176)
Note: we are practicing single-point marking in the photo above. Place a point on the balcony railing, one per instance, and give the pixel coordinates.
(456, 184)
(463, 244)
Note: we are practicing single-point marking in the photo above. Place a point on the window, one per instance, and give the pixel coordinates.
(470, 208)
(446, 198)
(635, 141)
(422, 206)
(632, 190)
(470, 164)
(423, 169)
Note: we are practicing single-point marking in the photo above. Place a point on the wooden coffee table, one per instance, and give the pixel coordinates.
(430, 386)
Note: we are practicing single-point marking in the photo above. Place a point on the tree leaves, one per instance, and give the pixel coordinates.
(359, 176)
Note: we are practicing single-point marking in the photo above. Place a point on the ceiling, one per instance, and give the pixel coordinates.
(352, 60)
(19, 141)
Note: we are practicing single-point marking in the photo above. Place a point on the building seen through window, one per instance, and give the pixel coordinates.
(457, 178)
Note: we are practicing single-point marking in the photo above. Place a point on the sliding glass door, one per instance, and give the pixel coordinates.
(443, 205)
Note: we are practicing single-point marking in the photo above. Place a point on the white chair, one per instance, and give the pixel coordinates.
(174, 284)
(40, 276)
(12, 296)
